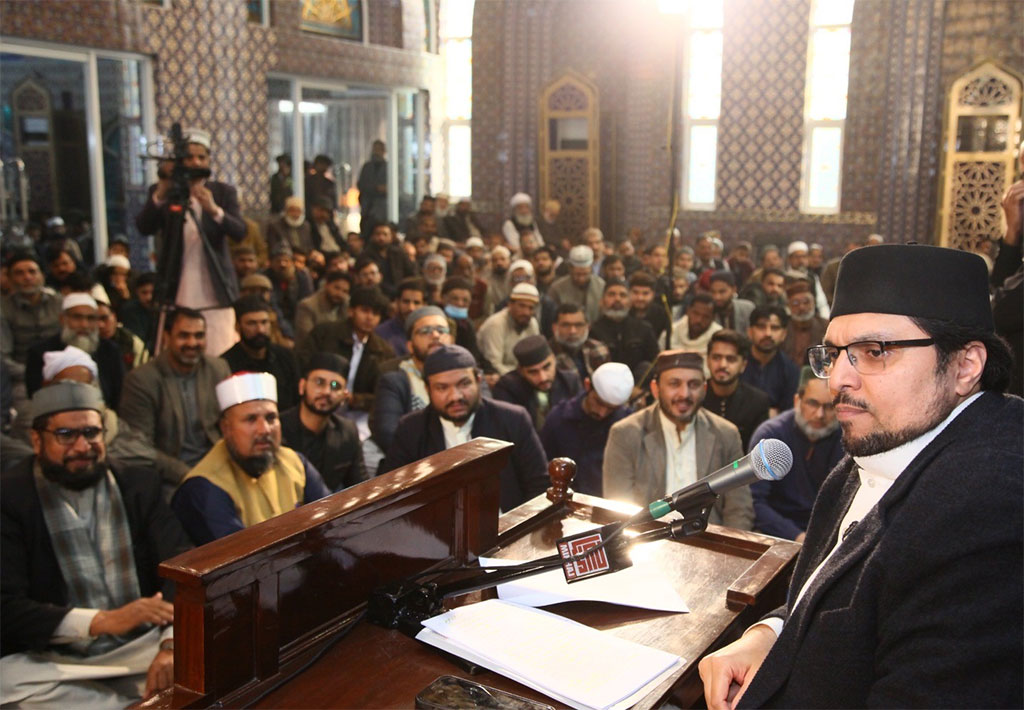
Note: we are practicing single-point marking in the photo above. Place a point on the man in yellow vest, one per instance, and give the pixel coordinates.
(247, 477)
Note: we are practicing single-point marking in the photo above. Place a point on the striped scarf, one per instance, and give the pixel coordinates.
(96, 561)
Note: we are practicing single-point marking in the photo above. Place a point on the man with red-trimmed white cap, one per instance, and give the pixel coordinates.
(247, 477)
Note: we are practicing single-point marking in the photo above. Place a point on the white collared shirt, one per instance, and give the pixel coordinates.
(680, 454)
(455, 434)
(877, 473)
(358, 345)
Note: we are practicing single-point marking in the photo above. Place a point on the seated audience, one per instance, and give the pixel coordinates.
(728, 396)
(244, 261)
(30, 312)
(581, 285)
(291, 228)
(572, 345)
(457, 413)
(578, 427)
(254, 352)
(259, 286)
(767, 288)
(536, 384)
(289, 284)
(769, 369)
(456, 300)
(316, 430)
(133, 350)
(674, 442)
(411, 294)
(328, 304)
(811, 431)
(693, 331)
(392, 261)
(403, 389)
(141, 314)
(629, 339)
(806, 328)
(79, 326)
(247, 477)
(522, 217)
(646, 303)
(501, 331)
(87, 618)
(171, 399)
(730, 311)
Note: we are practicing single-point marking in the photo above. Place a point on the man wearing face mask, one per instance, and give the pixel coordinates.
(79, 326)
(572, 345)
(629, 339)
(255, 353)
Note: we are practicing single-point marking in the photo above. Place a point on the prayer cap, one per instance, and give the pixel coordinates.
(520, 198)
(474, 242)
(66, 397)
(521, 264)
(796, 246)
(798, 286)
(246, 387)
(198, 135)
(525, 292)
(119, 260)
(447, 357)
(581, 255)
(917, 281)
(671, 359)
(501, 250)
(613, 382)
(327, 361)
(421, 312)
(57, 221)
(531, 351)
(57, 361)
(257, 281)
(75, 299)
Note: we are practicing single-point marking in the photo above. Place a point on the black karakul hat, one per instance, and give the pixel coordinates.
(914, 280)
(447, 357)
(531, 350)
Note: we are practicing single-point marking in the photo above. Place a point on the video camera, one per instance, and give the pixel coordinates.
(181, 175)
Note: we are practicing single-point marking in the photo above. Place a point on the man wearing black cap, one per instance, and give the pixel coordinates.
(87, 619)
(254, 352)
(674, 442)
(908, 591)
(536, 384)
(353, 339)
(316, 430)
(403, 389)
(457, 414)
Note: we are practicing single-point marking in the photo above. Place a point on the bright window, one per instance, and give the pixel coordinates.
(828, 75)
(702, 104)
(457, 53)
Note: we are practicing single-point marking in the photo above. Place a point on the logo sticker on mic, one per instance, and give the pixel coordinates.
(606, 559)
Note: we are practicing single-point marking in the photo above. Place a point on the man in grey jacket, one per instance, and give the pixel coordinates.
(171, 398)
(674, 442)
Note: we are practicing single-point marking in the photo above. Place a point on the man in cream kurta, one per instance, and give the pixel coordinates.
(247, 477)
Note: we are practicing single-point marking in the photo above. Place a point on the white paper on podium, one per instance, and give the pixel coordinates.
(641, 585)
(572, 663)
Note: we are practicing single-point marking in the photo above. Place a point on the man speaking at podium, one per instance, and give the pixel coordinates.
(908, 591)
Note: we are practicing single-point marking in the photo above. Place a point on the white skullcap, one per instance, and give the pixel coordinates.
(875, 239)
(796, 246)
(525, 292)
(99, 294)
(120, 261)
(198, 135)
(613, 382)
(77, 298)
(474, 242)
(581, 255)
(501, 250)
(521, 264)
(520, 198)
(293, 200)
(246, 387)
(57, 221)
(57, 361)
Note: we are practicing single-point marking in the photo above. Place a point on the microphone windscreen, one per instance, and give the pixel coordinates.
(771, 459)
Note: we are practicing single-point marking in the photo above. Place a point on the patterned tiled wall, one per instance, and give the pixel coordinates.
(900, 58)
(210, 63)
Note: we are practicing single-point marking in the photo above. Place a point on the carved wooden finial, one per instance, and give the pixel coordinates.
(561, 472)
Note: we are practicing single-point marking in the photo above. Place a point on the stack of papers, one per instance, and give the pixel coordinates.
(643, 586)
(572, 663)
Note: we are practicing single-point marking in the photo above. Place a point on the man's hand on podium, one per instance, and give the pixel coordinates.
(727, 672)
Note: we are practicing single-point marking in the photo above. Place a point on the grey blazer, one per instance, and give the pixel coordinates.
(634, 462)
(151, 403)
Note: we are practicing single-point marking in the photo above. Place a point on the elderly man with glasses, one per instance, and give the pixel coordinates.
(87, 619)
(909, 588)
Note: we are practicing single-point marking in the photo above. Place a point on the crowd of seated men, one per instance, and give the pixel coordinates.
(129, 405)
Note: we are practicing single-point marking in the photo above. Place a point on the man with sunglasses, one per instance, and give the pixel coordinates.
(316, 430)
(908, 591)
(86, 618)
(811, 431)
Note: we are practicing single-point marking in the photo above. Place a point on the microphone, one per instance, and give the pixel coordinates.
(770, 460)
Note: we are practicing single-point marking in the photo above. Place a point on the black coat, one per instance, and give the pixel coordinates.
(514, 388)
(523, 477)
(630, 341)
(153, 218)
(336, 337)
(280, 362)
(923, 605)
(33, 594)
(341, 462)
(108, 360)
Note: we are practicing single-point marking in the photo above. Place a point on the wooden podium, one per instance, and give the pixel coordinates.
(271, 616)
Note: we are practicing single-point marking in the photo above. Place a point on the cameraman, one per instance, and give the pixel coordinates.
(198, 272)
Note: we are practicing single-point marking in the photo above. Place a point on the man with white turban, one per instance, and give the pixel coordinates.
(521, 218)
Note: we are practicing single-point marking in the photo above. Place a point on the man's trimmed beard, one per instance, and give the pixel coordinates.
(522, 220)
(814, 433)
(616, 314)
(295, 222)
(62, 476)
(258, 464)
(88, 342)
(257, 342)
(881, 441)
(573, 343)
(802, 317)
(311, 405)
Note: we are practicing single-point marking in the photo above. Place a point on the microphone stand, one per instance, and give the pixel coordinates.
(405, 604)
